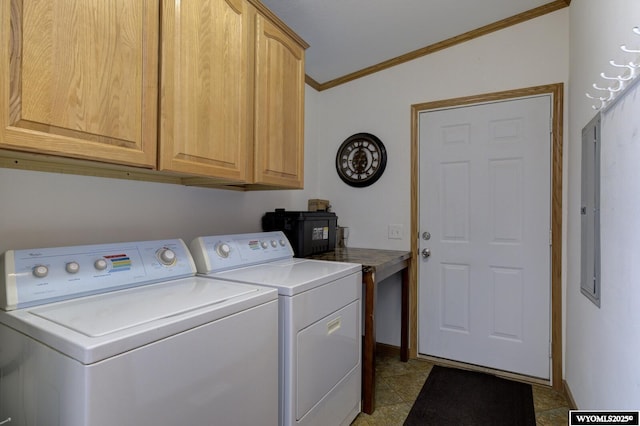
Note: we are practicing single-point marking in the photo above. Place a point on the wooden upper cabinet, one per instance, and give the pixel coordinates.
(197, 88)
(204, 106)
(279, 107)
(79, 78)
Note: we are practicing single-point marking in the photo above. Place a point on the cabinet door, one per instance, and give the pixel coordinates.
(279, 108)
(204, 81)
(78, 78)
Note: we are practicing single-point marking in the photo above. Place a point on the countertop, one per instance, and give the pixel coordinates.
(379, 261)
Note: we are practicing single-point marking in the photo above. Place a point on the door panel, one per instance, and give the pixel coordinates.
(80, 79)
(484, 293)
(454, 304)
(330, 346)
(205, 88)
(279, 108)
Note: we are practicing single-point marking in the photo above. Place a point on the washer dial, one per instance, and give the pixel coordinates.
(100, 264)
(223, 250)
(166, 256)
(40, 271)
(72, 267)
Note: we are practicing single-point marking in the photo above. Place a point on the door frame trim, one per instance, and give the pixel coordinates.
(557, 92)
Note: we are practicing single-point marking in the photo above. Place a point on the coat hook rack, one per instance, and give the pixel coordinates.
(624, 48)
(631, 66)
(624, 79)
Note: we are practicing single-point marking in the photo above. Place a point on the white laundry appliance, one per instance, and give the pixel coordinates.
(126, 334)
(320, 321)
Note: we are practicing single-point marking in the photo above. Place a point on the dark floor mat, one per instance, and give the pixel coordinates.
(459, 397)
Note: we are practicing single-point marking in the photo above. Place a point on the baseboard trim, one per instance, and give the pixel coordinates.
(569, 396)
(387, 349)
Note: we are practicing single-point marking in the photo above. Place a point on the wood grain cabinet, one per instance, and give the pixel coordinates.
(78, 78)
(206, 94)
(210, 91)
(279, 107)
(232, 94)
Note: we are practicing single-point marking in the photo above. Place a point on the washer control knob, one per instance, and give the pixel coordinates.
(167, 256)
(100, 264)
(40, 271)
(223, 250)
(264, 244)
(282, 243)
(72, 267)
(274, 243)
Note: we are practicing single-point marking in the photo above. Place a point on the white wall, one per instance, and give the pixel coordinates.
(529, 54)
(602, 368)
(49, 209)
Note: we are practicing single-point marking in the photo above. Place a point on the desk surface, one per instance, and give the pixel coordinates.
(382, 262)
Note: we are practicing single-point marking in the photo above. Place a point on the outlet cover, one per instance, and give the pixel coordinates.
(395, 232)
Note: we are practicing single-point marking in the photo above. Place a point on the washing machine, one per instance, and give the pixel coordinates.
(319, 321)
(126, 334)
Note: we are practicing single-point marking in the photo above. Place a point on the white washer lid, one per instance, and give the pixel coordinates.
(291, 276)
(121, 310)
(93, 328)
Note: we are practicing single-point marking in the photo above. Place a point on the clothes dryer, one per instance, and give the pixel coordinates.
(319, 321)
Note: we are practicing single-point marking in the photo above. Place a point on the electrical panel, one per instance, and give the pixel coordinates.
(590, 212)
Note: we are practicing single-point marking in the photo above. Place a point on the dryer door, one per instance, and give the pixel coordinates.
(327, 351)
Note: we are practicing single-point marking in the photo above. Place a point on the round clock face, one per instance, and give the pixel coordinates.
(361, 159)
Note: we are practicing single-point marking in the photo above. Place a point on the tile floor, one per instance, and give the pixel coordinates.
(398, 385)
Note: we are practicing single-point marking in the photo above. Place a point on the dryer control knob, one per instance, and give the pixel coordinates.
(72, 267)
(100, 264)
(40, 271)
(167, 256)
(223, 250)
(282, 243)
(274, 243)
(264, 244)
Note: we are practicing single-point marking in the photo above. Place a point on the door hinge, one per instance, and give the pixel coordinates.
(550, 350)
(550, 237)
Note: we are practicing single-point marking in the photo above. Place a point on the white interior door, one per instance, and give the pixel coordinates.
(485, 185)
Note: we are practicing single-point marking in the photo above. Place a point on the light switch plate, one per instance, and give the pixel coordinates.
(395, 232)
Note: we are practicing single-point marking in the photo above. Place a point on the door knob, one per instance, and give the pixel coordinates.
(426, 253)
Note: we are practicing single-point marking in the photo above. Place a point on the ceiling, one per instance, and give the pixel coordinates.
(351, 38)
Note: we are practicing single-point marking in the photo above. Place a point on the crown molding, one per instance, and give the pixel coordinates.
(470, 35)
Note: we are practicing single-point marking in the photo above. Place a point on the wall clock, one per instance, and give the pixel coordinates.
(361, 160)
